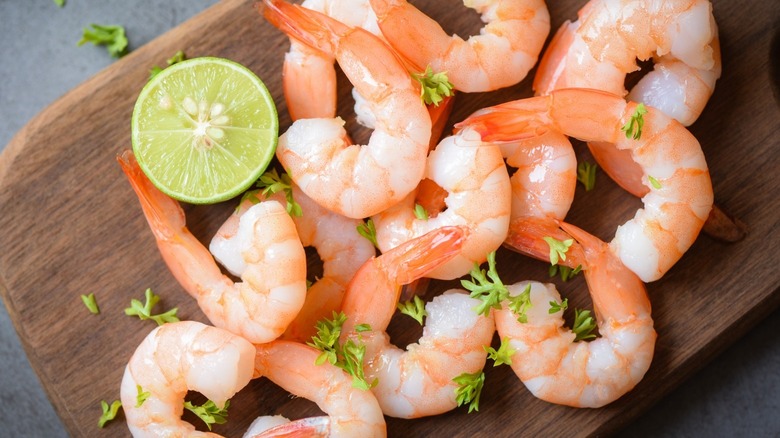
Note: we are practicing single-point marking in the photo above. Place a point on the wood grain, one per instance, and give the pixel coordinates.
(70, 224)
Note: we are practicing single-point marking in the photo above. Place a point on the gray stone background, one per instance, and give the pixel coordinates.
(735, 395)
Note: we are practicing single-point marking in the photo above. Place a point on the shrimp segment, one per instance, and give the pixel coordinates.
(352, 180)
(177, 357)
(506, 49)
(416, 382)
(351, 412)
(340, 247)
(273, 286)
(583, 374)
(673, 165)
(478, 197)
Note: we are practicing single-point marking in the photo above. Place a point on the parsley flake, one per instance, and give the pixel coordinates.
(349, 356)
(654, 182)
(271, 183)
(209, 412)
(414, 309)
(520, 303)
(469, 389)
(109, 412)
(420, 212)
(486, 286)
(633, 128)
(175, 59)
(586, 174)
(502, 356)
(558, 248)
(142, 396)
(113, 37)
(583, 325)
(144, 311)
(368, 230)
(565, 271)
(556, 307)
(434, 86)
(91, 303)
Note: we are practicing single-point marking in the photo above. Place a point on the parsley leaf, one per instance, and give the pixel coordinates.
(520, 303)
(368, 230)
(109, 413)
(349, 356)
(113, 37)
(654, 182)
(557, 248)
(469, 389)
(501, 356)
(414, 309)
(142, 396)
(144, 311)
(586, 174)
(209, 412)
(271, 182)
(633, 128)
(565, 271)
(583, 325)
(558, 307)
(434, 86)
(486, 286)
(91, 303)
(175, 59)
(59, 3)
(420, 212)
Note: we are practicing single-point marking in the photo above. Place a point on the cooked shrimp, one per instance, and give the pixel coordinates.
(309, 76)
(177, 357)
(500, 56)
(352, 180)
(599, 49)
(583, 374)
(273, 286)
(340, 247)
(351, 412)
(416, 382)
(673, 165)
(479, 197)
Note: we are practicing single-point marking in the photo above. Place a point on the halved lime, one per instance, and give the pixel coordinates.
(204, 130)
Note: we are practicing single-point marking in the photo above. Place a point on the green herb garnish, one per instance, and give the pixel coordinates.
(109, 412)
(558, 249)
(586, 174)
(368, 230)
(434, 86)
(415, 309)
(420, 212)
(209, 412)
(486, 286)
(469, 389)
(271, 182)
(91, 303)
(583, 325)
(558, 307)
(565, 271)
(349, 356)
(113, 37)
(175, 59)
(144, 311)
(141, 397)
(654, 182)
(502, 356)
(633, 128)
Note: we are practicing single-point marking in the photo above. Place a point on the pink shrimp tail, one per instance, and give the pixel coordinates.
(440, 114)
(510, 121)
(312, 28)
(417, 257)
(550, 74)
(526, 236)
(164, 215)
(312, 427)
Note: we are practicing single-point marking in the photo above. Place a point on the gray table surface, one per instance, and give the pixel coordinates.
(738, 394)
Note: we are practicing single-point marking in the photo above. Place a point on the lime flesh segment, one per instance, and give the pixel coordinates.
(204, 130)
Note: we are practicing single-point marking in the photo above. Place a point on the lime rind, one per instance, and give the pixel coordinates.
(204, 130)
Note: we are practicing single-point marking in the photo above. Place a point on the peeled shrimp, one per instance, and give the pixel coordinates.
(673, 165)
(506, 49)
(340, 247)
(351, 412)
(599, 49)
(352, 180)
(177, 357)
(416, 382)
(583, 374)
(273, 286)
(478, 197)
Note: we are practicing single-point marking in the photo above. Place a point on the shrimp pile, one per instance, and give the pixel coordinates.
(505, 176)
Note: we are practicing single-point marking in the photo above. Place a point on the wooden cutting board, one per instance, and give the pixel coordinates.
(71, 225)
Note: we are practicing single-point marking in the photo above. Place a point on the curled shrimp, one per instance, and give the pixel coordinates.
(675, 172)
(273, 286)
(583, 374)
(351, 412)
(599, 49)
(309, 76)
(177, 357)
(478, 197)
(340, 247)
(500, 56)
(352, 180)
(419, 381)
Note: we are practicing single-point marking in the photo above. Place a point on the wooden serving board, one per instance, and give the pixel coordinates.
(71, 225)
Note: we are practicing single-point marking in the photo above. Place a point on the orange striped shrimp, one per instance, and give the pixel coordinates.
(675, 172)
